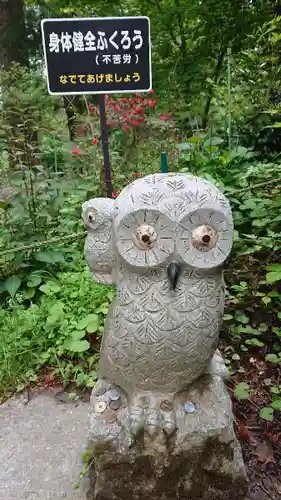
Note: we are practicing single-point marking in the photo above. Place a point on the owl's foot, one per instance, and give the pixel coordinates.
(152, 414)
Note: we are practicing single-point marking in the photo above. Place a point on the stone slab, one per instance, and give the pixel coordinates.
(40, 448)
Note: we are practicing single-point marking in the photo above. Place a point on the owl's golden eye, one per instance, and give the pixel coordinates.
(204, 238)
(145, 237)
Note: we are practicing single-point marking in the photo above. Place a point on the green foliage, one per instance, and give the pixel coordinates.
(57, 330)
(242, 391)
(267, 413)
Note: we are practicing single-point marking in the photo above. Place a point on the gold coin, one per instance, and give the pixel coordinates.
(100, 407)
(166, 405)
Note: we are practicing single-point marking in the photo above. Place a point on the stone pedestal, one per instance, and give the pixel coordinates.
(201, 460)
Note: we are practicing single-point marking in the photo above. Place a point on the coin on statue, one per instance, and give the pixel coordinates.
(100, 407)
(110, 416)
(166, 405)
(143, 402)
(100, 391)
(115, 405)
(189, 407)
(113, 395)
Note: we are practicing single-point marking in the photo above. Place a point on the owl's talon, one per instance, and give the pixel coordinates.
(137, 420)
(169, 423)
(152, 430)
(153, 416)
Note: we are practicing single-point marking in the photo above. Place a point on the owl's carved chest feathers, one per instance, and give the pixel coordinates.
(153, 328)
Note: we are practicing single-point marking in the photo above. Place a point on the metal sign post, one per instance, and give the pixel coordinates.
(98, 56)
(105, 146)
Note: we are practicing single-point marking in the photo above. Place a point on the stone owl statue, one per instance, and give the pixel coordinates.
(162, 242)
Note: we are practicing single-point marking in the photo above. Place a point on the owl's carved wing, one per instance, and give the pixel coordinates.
(97, 215)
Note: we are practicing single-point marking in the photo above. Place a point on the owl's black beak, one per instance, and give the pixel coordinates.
(173, 272)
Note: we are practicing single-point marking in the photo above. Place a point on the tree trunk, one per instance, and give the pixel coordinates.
(181, 30)
(210, 92)
(12, 33)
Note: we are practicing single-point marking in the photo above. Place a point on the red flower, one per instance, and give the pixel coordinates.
(151, 91)
(116, 107)
(95, 140)
(114, 195)
(90, 107)
(275, 437)
(138, 174)
(76, 151)
(131, 101)
(152, 104)
(134, 123)
(178, 139)
(164, 118)
(124, 99)
(128, 120)
(125, 128)
(106, 96)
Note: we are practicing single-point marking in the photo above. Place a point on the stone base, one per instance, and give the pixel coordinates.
(201, 460)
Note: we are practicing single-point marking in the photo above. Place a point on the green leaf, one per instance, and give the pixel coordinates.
(90, 320)
(103, 308)
(12, 285)
(50, 288)
(242, 318)
(213, 141)
(266, 300)
(266, 413)
(194, 139)
(50, 257)
(34, 280)
(242, 391)
(272, 358)
(93, 326)
(56, 314)
(274, 267)
(254, 342)
(274, 125)
(275, 390)
(76, 345)
(276, 404)
(28, 293)
(77, 335)
(183, 145)
(272, 277)
(228, 317)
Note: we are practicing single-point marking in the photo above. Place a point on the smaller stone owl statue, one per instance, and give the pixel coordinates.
(162, 242)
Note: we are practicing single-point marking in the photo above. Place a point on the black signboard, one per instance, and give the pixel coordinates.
(97, 55)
